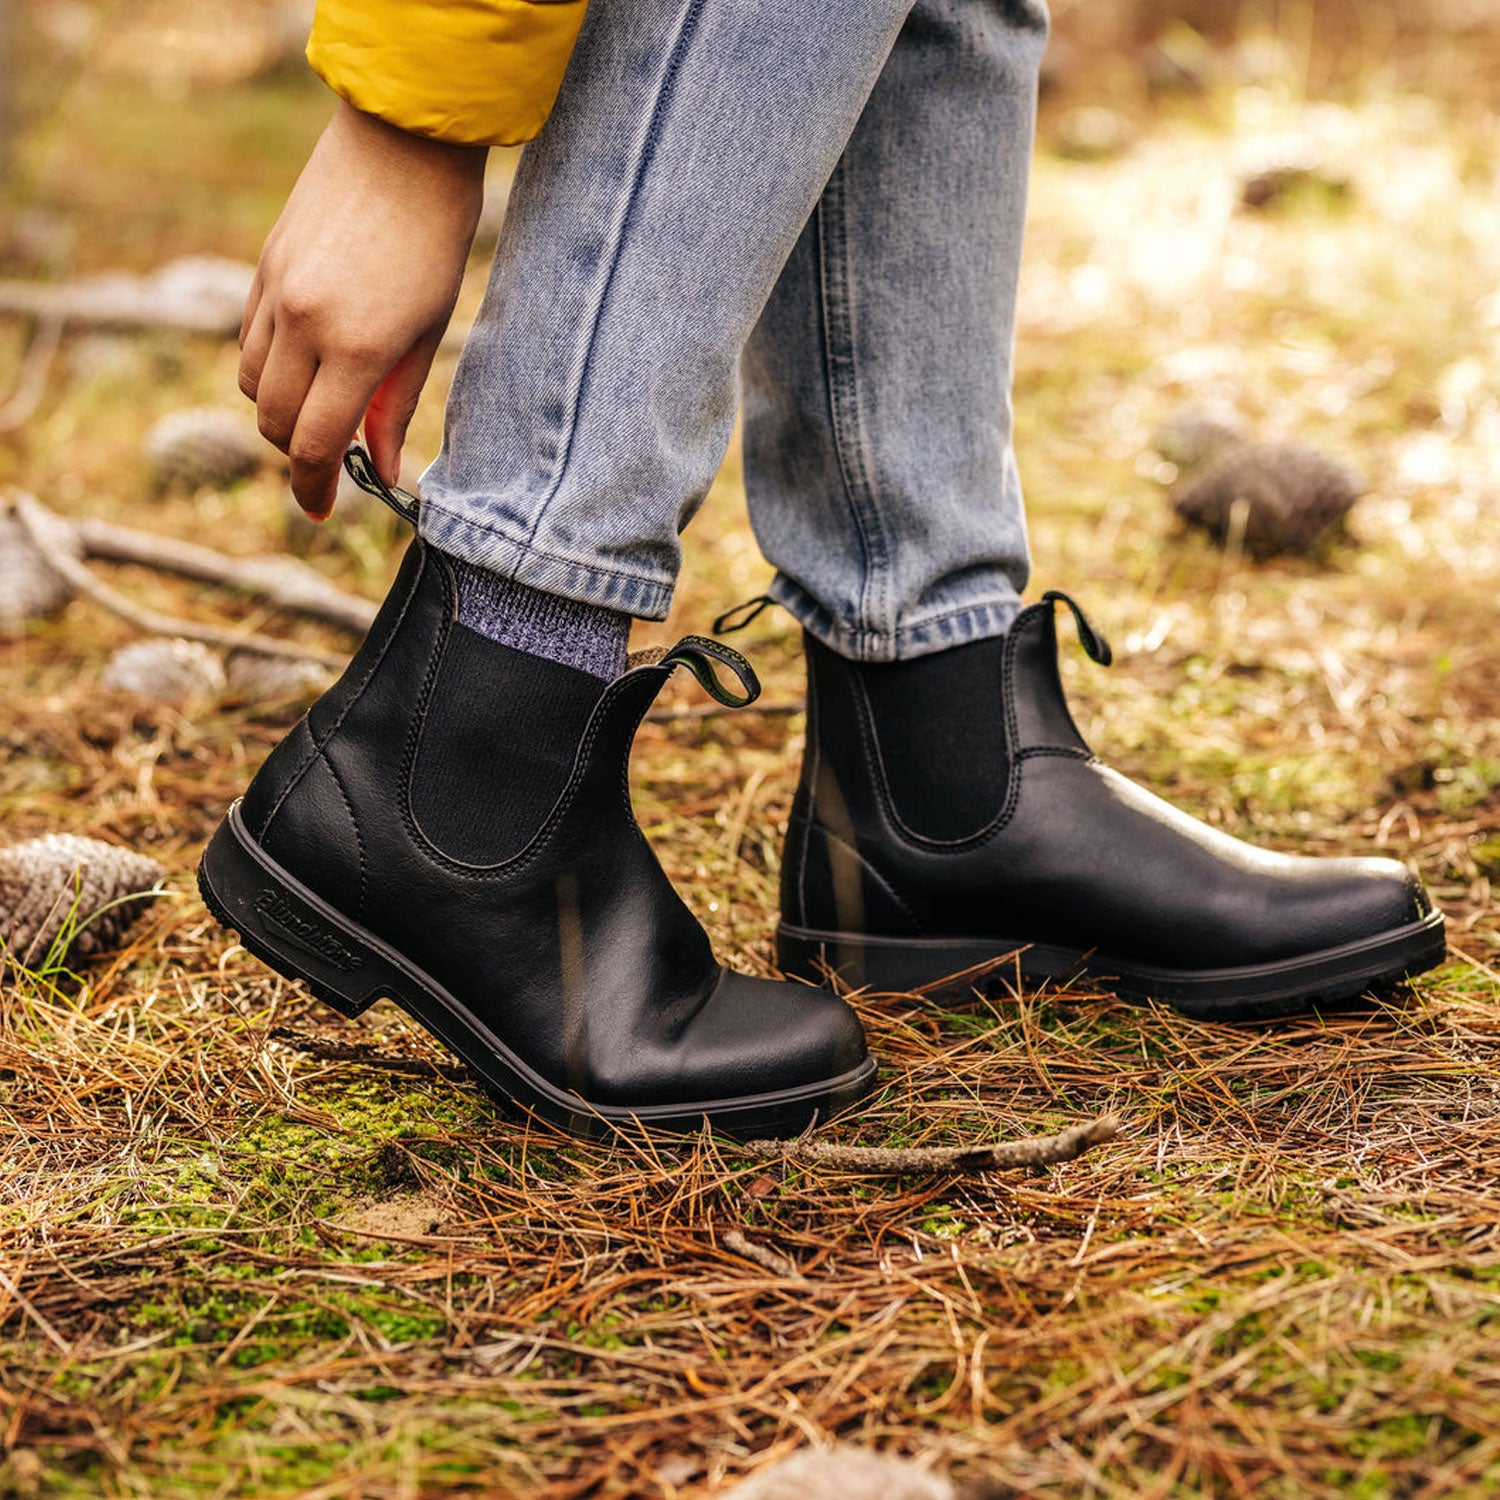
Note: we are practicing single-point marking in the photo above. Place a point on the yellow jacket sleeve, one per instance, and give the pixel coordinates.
(473, 72)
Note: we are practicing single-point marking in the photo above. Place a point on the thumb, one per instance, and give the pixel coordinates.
(391, 408)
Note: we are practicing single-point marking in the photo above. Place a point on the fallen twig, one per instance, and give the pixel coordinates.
(770, 1260)
(282, 581)
(1035, 1151)
(373, 1057)
(35, 368)
(43, 528)
(715, 710)
(196, 294)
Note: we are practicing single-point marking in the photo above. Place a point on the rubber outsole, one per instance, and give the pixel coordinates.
(302, 937)
(944, 967)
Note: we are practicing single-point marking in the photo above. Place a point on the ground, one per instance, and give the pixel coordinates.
(227, 1266)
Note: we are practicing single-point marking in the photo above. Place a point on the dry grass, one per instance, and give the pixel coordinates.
(226, 1268)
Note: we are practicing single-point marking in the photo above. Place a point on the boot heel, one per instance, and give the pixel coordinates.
(820, 956)
(285, 925)
(341, 1003)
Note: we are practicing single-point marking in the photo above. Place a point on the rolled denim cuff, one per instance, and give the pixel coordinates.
(587, 580)
(975, 621)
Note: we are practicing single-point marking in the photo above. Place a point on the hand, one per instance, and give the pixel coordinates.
(355, 288)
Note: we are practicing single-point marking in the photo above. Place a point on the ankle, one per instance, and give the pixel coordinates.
(938, 725)
(576, 634)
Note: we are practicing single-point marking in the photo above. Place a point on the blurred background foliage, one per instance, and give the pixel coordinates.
(1283, 1283)
(89, 88)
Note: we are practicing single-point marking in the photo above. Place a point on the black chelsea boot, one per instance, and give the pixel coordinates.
(561, 966)
(951, 822)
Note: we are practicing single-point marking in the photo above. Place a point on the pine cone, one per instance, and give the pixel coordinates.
(202, 447)
(165, 671)
(1191, 437)
(53, 895)
(849, 1473)
(265, 677)
(1278, 171)
(1294, 496)
(29, 589)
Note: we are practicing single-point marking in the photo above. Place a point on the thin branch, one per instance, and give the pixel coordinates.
(281, 581)
(372, 1057)
(164, 299)
(1034, 1151)
(42, 528)
(770, 1260)
(1037, 1151)
(715, 711)
(35, 368)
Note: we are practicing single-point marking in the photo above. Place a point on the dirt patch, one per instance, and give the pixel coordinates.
(413, 1216)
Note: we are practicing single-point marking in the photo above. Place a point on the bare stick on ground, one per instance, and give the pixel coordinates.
(767, 1259)
(281, 581)
(35, 368)
(1036, 1151)
(43, 529)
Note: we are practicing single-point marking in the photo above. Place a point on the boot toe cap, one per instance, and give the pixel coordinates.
(749, 1038)
(762, 1035)
(1354, 900)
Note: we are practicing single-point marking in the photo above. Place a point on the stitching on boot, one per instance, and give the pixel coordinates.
(359, 843)
(544, 834)
(875, 874)
(333, 729)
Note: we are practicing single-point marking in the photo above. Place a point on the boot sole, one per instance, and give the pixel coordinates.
(302, 937)
(944, 967)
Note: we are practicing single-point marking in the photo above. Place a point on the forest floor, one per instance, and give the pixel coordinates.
(227, 1267)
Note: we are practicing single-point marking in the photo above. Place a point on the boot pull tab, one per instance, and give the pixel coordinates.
(362, 472)
(1094, 644)
(751, 610)
(699, 655)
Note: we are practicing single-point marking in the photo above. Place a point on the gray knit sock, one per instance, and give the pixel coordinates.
(584, 636)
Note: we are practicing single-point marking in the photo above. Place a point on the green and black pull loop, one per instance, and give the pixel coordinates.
(361, 470)
(1094, 645)
(702, 657)
(750, 611)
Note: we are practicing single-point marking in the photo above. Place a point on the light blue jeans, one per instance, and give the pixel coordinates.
(826, 200)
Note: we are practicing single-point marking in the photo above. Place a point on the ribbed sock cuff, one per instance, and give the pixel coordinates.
(585, 636)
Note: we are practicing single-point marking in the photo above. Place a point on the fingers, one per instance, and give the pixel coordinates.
(306, 405)
(255, 346)
(252, 303)
(325, 426)
(282, 387)
(391, 408)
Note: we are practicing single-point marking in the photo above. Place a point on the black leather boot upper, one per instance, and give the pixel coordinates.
(1058, 851)
(566, 946)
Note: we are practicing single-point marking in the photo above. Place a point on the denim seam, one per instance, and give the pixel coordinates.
(843, 390)
(655, 589)
(858, 635)
(918, 627)
(685, 32)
